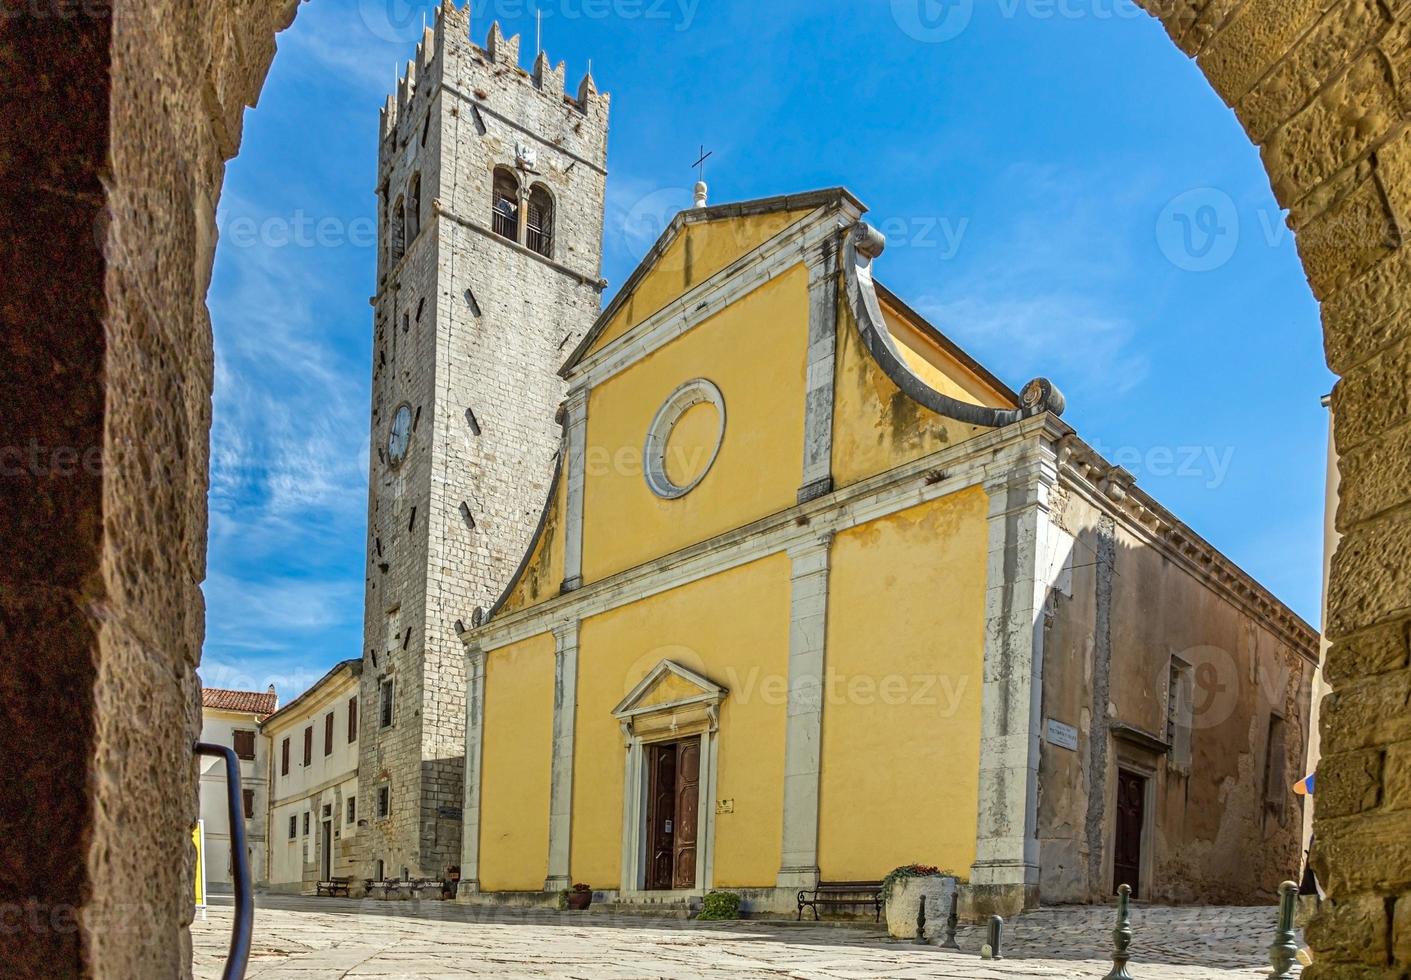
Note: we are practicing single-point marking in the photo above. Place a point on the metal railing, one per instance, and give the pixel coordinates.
(239, 956)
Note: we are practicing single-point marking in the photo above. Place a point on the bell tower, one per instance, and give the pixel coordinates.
(491, 184)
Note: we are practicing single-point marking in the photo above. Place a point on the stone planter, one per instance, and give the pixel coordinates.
(906, 898)
(579, 901)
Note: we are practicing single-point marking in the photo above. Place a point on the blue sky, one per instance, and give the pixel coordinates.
(1063, 194)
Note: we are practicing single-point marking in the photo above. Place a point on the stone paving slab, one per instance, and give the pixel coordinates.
(311, 939)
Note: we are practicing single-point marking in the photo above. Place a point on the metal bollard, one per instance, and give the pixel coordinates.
(1122, 936)
(921, 922)
(996, 936)
(952, 921)
(1284, 950)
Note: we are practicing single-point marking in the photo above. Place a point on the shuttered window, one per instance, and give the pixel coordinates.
(244, 744)
(284, 758)
(352, 719)
(309, 746)
(328, 734)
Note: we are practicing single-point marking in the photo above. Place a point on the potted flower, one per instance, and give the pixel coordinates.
(578, 898)
(906, 888)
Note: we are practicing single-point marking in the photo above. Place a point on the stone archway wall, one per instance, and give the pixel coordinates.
(1324, 90)
(111, 159)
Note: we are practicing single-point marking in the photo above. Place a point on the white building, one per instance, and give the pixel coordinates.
(233, 718)
(314, 809)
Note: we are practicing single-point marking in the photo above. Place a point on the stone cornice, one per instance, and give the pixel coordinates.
(974, 462)
(1113, 490)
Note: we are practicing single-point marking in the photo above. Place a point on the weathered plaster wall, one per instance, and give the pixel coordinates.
(1107, 656)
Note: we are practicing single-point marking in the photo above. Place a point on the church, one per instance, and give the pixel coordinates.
(752, 578)
(815, 594)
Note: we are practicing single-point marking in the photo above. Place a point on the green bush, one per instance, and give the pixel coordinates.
(720, 905)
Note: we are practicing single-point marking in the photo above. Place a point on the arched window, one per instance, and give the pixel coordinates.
(505, 209)
(414, 208)
(541, 221)
(397, 234)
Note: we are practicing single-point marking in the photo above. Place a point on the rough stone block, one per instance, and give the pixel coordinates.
(1396, 790)
(1365, 853)
(1367, 713)
(1376, 478)
(1401, 932)
(1348, 234)
(1338, 128)
(1374, 651)
(1255, 39)
(1355, 927)
(1349, 783)
(1371, 582)
(1324, 51)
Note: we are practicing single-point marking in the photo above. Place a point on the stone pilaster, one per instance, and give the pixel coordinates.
(808, 628)
(561, 774)
(1005, 876)
(474, 740)
(818, 395)
(576, 474)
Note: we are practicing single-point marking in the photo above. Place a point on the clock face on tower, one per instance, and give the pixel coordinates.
(399, 439)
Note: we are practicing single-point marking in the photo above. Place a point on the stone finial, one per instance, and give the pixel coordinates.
(548, 78)
(587, 89)
(502, 50)
(702, 193)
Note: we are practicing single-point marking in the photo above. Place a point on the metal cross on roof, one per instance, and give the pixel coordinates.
(702, 161)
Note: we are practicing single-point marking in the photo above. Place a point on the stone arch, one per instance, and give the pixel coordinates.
(110, 250)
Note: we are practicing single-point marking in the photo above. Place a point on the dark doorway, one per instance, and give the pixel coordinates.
(1131, 817)
(673, 801)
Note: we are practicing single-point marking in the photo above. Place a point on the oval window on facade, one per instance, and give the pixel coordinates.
(684, 439)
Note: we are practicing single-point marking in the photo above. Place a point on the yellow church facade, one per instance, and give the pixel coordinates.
(816, 595)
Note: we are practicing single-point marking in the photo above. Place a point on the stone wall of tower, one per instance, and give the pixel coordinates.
(470, 329)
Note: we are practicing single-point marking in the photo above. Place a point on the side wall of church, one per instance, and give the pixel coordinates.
(1222, 823)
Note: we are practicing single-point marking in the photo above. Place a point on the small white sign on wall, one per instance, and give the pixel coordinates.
(1064, 736)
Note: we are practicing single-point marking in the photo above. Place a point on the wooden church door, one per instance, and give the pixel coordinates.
(673, 807)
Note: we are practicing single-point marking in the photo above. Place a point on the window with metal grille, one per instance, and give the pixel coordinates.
(293, 827)
(386, 705)
(249, 796)
(540, 234)
(384, 801)
(352, 809)
(505, 206)
(244, 744)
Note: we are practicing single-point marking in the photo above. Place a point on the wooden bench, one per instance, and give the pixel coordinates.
(842, 893)
(334, 886)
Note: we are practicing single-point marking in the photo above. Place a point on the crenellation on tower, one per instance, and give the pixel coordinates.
(548, 78)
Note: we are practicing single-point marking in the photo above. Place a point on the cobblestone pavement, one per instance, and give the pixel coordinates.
(305, 939)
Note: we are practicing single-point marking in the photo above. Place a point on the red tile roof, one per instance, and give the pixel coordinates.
(253, 702)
